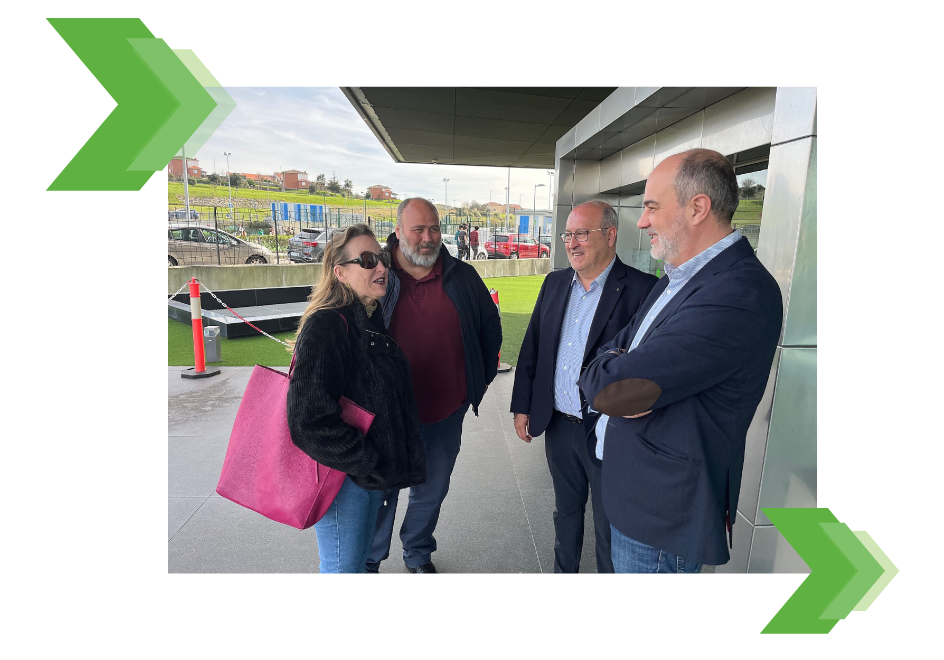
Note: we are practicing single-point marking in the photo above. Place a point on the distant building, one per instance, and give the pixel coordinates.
(294, 179)
(175, 168)
(381, 192)
(498, 206)
(260, 177)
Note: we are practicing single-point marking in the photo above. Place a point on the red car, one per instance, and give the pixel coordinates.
(515, 246)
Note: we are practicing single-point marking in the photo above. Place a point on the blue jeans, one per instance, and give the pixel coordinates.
(346, 530)
(631, 556)
(441, 441)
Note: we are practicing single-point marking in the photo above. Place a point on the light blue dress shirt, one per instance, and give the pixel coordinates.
(574, 332)
(678, 277)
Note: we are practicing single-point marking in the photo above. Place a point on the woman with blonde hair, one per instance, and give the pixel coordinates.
(342, 349)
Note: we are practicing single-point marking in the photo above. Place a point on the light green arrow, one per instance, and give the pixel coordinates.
(890, 571)
(224, 102)
(868, 571)
(194, 105)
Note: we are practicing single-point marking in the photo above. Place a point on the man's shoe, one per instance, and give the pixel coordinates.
(425, 568)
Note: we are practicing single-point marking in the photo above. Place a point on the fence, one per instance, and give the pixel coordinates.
(255, 235)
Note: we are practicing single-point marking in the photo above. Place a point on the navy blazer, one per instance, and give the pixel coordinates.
(533, 393)
(671, 478)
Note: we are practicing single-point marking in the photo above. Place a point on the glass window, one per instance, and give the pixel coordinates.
(186, 235)
(752, 184)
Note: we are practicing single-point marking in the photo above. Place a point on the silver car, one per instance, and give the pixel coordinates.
(197, 245)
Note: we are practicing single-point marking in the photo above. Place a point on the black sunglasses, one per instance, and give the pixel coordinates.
(369, 260)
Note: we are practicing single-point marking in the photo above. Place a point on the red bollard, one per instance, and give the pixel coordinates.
(196, 322)
(502, 366)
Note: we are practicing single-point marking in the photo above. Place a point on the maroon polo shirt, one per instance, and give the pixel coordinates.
(425, 324)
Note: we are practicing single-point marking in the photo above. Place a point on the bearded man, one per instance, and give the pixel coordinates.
(441, 315)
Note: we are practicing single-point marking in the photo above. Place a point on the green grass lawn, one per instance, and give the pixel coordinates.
(516, 294)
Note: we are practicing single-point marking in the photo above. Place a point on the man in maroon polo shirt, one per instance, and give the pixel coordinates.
(441, 315)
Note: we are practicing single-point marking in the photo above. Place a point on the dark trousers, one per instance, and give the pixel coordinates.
(573, 475)
(441, 442)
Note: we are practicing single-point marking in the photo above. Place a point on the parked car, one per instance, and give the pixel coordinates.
(195, 245)
(515, 246)
(181, 214)
(450, 243)
(545, 239)
(308, 245)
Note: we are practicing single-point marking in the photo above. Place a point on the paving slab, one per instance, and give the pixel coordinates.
(194, 464)
(497, 517)
(179, 511)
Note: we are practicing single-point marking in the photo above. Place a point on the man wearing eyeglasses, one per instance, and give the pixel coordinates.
(578, 310)
(440, 313)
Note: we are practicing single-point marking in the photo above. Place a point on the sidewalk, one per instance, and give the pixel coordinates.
(497, 517)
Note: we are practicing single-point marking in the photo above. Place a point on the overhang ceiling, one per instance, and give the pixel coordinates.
(497, 126)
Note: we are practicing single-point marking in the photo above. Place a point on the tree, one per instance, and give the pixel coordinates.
(748, 189)
(320, 183)
(312, 188)
(236, 180)
(367, 195)
(214, 178)
(333, 185)
(348, 187)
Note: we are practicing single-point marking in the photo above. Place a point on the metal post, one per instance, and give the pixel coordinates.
(446, 198)
(508, 196)
(183, 155)
(229, 183)
(275, 221)
(217, 228)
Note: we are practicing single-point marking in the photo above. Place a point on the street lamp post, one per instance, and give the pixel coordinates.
(534, 209)
(550, 181)
(232, 213)
(446, 198)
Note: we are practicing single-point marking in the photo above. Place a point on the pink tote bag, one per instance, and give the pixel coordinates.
(264, 470)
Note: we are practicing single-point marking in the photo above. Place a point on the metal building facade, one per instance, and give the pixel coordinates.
(609, 154)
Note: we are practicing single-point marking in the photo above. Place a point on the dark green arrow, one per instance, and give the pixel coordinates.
(830, 571)
(145, 105)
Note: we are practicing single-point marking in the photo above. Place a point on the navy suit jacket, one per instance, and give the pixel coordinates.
(671, 478)
(533, 393)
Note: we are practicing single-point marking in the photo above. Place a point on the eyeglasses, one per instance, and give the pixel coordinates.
(369, 260)
(581, 234)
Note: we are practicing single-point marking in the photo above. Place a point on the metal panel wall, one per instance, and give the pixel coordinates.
(784, 208)
(789, 475)
(780, 457)
(740, 122)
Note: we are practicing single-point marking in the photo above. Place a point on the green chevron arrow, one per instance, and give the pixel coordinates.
(224, 102)
(194, 105)
(159, 104)
(844, 573)
(890, 571)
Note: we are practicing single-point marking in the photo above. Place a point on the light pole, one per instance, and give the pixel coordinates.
(550, 181)
(534, 208)
(229, 183)
(446, 198)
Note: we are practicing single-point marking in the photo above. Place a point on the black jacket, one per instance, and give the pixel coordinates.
(533, 394)
(478, 317)
(359, 360)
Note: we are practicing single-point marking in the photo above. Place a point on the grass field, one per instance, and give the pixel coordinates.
(516, 294)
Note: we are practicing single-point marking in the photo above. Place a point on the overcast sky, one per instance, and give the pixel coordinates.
(317, 130)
